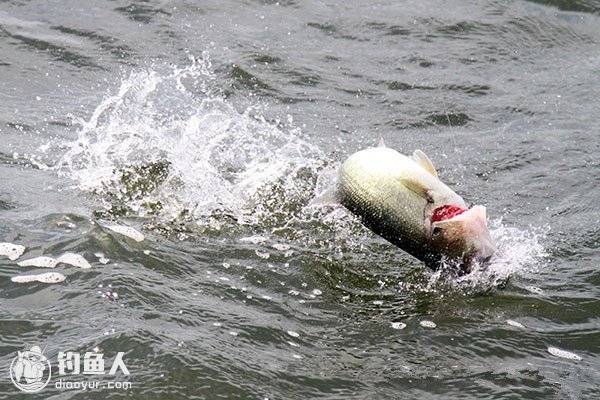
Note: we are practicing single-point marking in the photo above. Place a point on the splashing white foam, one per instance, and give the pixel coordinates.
(519, 252)
(211, 157)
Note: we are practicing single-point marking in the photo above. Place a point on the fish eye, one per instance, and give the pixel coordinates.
(437, 230)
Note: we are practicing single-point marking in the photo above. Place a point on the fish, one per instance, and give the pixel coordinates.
(402, 199)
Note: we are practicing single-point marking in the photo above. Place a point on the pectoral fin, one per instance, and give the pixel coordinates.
(418, 188)
(421, 158)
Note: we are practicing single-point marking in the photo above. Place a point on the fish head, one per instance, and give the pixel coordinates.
(461, 235)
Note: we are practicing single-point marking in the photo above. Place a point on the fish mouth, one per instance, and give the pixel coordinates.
(446, 212)
(461, 234)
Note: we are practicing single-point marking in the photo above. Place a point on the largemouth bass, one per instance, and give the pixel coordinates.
(402, 199)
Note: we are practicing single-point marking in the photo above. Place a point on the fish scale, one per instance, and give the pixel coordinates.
(370, 190)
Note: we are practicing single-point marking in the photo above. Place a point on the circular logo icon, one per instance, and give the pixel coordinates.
(30, 370)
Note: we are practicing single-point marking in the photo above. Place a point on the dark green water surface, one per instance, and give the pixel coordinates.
(209, 126)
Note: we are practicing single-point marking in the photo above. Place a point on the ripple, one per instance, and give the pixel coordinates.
(142, 12)
(589, 6)
(448, 119)
(49, 44)
(105, 42)
(246, 79)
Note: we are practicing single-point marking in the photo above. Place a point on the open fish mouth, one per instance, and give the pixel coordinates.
(462, 235)
(446, 212)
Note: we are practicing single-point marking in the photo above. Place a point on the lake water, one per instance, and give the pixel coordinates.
(207, 127)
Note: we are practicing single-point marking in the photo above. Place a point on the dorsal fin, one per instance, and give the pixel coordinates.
(381, 142)
(421, 158)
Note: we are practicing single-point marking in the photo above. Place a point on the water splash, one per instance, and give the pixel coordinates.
(519, 252)
(169, 143)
